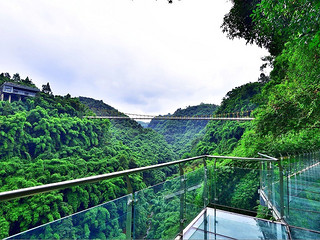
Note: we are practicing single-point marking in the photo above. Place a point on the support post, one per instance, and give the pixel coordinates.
(215, 197)
(205, 187)
(205, 222)
(182, 199)
(129, 222)
(9, 98)
(261, 176)
(281, 190)
(2, 96)
(205, 198)
(269, 180)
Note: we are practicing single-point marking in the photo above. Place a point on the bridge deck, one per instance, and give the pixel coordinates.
(173, 118)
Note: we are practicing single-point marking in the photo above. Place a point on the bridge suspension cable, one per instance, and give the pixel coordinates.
(237, 116)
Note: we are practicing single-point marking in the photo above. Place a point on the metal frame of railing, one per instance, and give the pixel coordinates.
(10, 195)
(278, 215)
(24, 192)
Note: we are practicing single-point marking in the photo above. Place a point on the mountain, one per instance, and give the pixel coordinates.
(148, 146)
(46, 139)
(181, 134)
(143, 124)
(221, 137)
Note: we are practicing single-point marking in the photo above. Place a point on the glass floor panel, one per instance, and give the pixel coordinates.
(226, 225)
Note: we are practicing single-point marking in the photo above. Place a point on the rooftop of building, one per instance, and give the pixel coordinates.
(11, 84)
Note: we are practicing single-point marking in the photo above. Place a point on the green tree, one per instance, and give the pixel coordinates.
(46, 88)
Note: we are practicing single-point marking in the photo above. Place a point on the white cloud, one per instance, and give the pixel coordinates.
(141, 56)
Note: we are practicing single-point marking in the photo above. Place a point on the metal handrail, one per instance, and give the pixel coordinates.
(266, 156)
(24, 192)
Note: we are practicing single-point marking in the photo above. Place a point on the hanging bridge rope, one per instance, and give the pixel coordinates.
(237, 116)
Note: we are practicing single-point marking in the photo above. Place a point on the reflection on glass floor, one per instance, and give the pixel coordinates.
(226, 225)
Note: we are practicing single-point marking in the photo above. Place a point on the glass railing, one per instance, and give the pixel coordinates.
(105, 221)
(303, 234)
(234, 188)
(157, 211)
(303, 187)
(292, 187)
(164, 210)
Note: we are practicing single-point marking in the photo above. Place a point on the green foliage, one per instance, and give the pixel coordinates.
(222, 137)
(5, 77)
(181, 133)
(240, 99)
(45, 140)
(289, 19)
(158, 208)
(264, 213)
(235, 187)
(245, 193)
(143, 146)
(239, 23)
(287, 118)
(293, 102)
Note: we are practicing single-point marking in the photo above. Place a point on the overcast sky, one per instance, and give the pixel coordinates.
(140, 56)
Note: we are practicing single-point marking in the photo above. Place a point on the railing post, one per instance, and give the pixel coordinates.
(261, 176)
(269, 180)
(129, 222)
(205, 222)
(205, 180)
(215, 198)
(205, 199)
(281, 189)
(182, 199)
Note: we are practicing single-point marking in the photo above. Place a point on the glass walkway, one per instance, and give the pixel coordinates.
(189, 205)
(218, 224)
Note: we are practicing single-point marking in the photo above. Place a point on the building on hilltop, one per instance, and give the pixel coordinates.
(12, 91)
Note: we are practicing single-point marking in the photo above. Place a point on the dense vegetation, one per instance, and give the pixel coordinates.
(146, 146)
(45, 139)
(286, 104)
(182, 133)
(221, 137)
(287, 119)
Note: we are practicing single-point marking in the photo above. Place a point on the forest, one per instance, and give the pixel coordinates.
(183, 133)
(46, 139)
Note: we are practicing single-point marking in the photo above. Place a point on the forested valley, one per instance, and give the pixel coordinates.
(46, 139)
(183, 134)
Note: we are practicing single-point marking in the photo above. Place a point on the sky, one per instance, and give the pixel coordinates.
(139, 56)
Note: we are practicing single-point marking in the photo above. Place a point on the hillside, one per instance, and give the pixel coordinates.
(287, 119)
(45, 140)
(221, 137)
(148, 145)
(182, 133)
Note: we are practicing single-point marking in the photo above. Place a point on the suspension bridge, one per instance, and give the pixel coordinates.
(237, 116)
